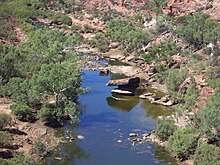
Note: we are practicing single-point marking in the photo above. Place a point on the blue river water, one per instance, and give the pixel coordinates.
(105, 122)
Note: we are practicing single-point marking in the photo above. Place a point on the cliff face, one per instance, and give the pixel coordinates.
(183, 7)
(174, 7)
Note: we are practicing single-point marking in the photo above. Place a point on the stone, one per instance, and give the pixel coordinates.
(122, 92)
(133, 81)
(119, 141)
(58, 158)
(133, 135)
(80, 137)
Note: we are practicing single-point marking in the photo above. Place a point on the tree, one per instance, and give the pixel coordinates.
(22, 112)
(59, 80)
(183, 142)
(165, 129)
(206, 154)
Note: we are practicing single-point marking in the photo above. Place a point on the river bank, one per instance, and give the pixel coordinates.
(25, 135)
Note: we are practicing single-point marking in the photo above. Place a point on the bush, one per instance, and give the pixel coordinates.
(50, 114)
(174, 79)
(198, 30)
(191, 96)
(63, 18)
(6, 139)
(213, 77)
(183, 142)
(100, 41)
(22, 112)
(4, 120)
(206, 154)
(131, 37)
(155, 6)
(165, 129)
(163, 24)
(209, 117)
(39, 147)
(19, 159)
(163, 51)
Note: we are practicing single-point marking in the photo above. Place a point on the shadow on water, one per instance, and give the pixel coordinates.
(67, 154)
(124, 104)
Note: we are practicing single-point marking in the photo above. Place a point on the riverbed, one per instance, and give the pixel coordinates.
(105, 124)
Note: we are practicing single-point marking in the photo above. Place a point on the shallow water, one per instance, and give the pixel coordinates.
(106, 120)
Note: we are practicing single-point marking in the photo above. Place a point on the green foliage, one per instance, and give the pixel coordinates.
(19, 90)
(132, 38)
(19, 159)
(4, 120)
(100, 41)
(165, 129)
(183, 142)
(87, 28)
(163, 24)
(39, 147)
(162, 52)
(191, 96)
(62, 18)
(213, 77)
(209, 117)
(47, 46)
(8, 61)
(60, 80)
(206, 154)
(22, 112)
(51, 114)
(198, 29)
(174, 79)
(156, 5)
(6, 139)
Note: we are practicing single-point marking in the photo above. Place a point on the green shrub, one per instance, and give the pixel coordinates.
(163, 51)
(174, 79)
(198, 30)
(206, 154)
(39, 147)
(63, 18)
(163, 24)
(213, 77)
(209, 117)
(100, 41)
(165, 129)
(131, 37)
(183, 142)
(191, 96)
(6, 139)
(19, 159)
(50, 114)
(4, 120)
(155, 6)
(22, 112)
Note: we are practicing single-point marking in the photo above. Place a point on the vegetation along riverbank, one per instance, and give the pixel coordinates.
(173, 45)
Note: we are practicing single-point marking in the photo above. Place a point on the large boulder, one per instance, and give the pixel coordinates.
(125, 82)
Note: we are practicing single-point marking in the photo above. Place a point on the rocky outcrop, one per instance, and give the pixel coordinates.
(129, 82)
(165, 100)
(126, 86)
(184, 86)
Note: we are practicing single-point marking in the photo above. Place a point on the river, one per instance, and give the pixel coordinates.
(105, 125)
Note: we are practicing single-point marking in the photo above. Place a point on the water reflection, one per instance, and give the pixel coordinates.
(68, 154)
(124, 104)
(155, 110)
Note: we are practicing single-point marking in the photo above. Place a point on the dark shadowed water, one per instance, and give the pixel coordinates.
(106, 120)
